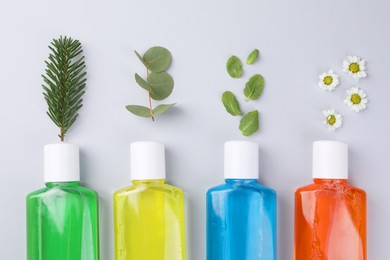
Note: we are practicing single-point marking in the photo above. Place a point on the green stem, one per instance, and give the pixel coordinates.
(150, 98)
(62, 135)
(63, 90)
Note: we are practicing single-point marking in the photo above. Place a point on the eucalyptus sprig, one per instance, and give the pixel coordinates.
(158, 83)
(249, 122)
(64, 82)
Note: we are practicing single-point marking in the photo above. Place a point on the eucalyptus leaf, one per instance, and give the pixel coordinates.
(234, 67)
(254, 87)
(139, 110)
(161, 85)
(157, 59)
(253, 56)
(140, 58)
(249, 123)
(162, 108)
(142, 82)
(231, 104)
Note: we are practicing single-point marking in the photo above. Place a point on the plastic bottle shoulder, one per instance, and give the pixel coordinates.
(231, 187)
(62, 190)
(330, 185)
(144, 187)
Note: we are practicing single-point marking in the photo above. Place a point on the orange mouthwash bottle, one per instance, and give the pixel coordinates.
(149, 214)
(330, 214)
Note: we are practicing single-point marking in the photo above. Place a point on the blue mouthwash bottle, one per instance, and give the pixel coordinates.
(241, 214)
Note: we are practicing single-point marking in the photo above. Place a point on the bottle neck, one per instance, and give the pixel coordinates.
(323, 181)
(62, 184)
(156, 181)
(241, 181)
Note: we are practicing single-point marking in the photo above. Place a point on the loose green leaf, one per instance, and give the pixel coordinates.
(254, 87)
(249, 123)
(252, 57)
(162, 108)
(234, 67)
(231, 104)
(161, 85)
(157, 59)
(142, 82)
(139, 110)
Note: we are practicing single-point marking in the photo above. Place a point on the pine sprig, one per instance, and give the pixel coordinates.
(64, 82)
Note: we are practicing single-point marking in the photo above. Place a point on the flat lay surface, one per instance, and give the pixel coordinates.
(298, 41)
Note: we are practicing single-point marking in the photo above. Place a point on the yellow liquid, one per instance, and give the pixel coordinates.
(149, 222)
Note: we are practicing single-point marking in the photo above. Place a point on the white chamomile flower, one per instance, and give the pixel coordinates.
(356, 100)
(355, 67)
(328, 80)
(333, 120)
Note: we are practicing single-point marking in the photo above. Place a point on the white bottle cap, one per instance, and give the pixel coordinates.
(61, 163)
(147, 161)
(330, 160)
(241, 160)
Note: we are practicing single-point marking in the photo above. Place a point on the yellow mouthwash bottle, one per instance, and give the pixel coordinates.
(149, 214)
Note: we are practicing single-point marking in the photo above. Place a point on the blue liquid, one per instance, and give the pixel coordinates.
(241, 221)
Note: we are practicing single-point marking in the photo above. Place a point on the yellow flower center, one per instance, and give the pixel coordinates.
(354, 67)
(331, 119)
(356, 99)
(328, 80)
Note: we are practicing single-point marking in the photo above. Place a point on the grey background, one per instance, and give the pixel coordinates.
(298, 40)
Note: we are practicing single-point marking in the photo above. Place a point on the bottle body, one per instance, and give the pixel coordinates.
(330, 221)
(149, 222)
(241, 221)
(62, 223)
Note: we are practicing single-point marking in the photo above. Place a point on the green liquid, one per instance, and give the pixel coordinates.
(62, 223)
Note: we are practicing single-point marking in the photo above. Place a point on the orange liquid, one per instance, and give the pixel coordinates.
(330, 221)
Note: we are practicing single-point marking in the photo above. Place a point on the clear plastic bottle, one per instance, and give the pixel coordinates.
(62, 218)
(241, 214)
(330, 215)
(149, 214)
